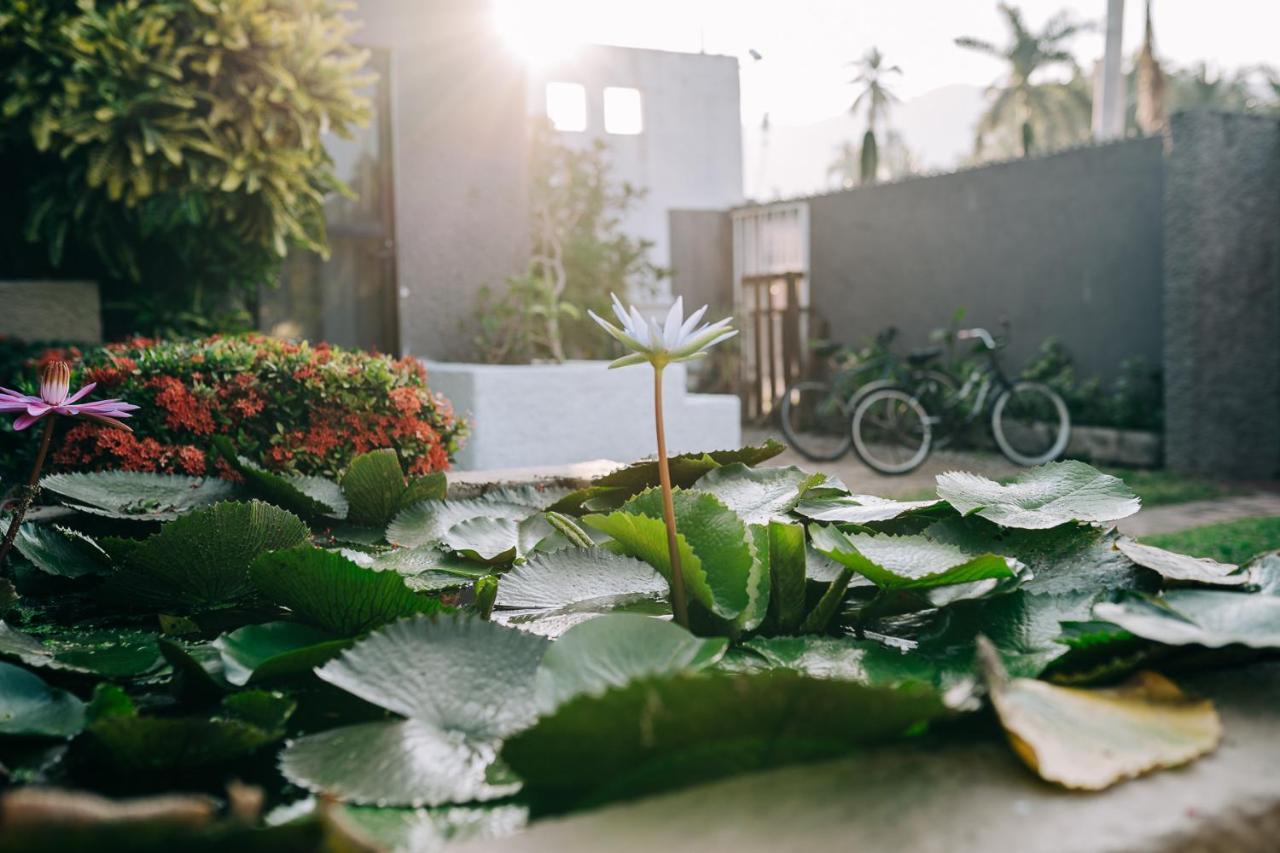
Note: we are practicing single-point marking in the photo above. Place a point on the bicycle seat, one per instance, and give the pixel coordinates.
(924, 356)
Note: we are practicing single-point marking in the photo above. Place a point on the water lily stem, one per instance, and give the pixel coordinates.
(678, 605)
(28, 493)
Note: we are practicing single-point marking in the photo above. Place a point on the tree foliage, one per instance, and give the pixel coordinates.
(580, 255)
(172, 143)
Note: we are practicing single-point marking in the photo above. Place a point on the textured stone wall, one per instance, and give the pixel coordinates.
(50, 311)
(1068, 245)
(1222, 295)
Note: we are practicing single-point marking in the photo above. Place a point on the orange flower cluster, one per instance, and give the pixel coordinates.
(292, 407)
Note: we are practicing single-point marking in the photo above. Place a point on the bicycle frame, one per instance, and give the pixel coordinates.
(978, 393)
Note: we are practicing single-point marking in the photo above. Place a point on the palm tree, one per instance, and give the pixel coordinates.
(1202, 88)
(876, 98)
(1053, 109)
(844, 168)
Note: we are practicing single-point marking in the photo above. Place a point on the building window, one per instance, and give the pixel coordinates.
(622, 111)
(567, 106)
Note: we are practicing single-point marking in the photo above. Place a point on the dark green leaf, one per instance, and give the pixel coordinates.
(30, 707)
(257, 653)
(137, 496)
(333, 593)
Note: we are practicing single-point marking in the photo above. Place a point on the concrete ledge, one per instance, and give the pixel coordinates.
(526, 415)
(1134, 448)
(51, 311)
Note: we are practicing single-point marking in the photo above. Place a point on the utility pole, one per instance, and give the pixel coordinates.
(1108, 90)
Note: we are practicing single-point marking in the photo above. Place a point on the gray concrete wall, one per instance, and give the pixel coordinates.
(1222, 296)
(702, 258)
(51, 311)
(460, 160)
(1067, 245)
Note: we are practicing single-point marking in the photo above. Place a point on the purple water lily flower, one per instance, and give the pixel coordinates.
(55, 383)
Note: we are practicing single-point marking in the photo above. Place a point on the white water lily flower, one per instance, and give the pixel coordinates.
(675, 340)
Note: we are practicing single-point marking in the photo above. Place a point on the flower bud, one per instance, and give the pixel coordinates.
(55, 382)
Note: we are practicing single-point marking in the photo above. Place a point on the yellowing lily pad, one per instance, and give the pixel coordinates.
(1090, 739)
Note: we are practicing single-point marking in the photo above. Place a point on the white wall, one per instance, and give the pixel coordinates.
(689, 154)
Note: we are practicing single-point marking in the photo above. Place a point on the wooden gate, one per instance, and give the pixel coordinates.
(771, 295)
(777, 336)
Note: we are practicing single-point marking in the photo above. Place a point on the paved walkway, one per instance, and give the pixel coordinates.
(1175, 517)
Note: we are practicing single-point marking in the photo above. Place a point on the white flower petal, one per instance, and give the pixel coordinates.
(692, 322)
(671, 328)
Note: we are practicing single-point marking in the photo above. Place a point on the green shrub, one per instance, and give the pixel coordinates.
(173, 144)
(1134, 400)
(291, 407)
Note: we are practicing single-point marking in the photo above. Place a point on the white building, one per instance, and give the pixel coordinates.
(671, 122)
(442, 172)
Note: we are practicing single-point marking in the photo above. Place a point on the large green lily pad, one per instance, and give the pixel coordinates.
(908, 562)
(137, 496)
(759, 495)
(716, 557)
(31, 708)
(669, 732)
(201, 561)
(273, 650)
(461, 684)
(1201, 617)
(331, 592)
(105, 652)
(1043, 497)
(613, 650)
(61, 551)
(1180, 567)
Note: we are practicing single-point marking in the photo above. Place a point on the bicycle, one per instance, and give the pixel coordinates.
(894, 429)
(814, 414)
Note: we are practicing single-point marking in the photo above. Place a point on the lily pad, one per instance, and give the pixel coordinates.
(759, 495)
(1180, 567)
(578, 576)
(430, 830)
(787, 575)
(1201, 617)
(614, 650)
(333, 593)
(716, 557)
(105, 652)
(1043, 497)
(462, 684)
(669, 732)
(31, 708)
(137, 496)
(908, 562)
(1090, 739)
(375, 488)
(860, 509)
(61, 551)
(427, 522)
(373, 485)
(430, 569)
(310, 497)
(614, 489)
(258, 653)
(201, 561)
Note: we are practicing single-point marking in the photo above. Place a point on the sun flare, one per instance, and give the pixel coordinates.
(540, 33)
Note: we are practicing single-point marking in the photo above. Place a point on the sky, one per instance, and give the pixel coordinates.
(805, 44)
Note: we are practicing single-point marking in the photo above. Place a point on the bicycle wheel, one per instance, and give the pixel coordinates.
(814, 421)
(936, 390)
(1030, 424)
(891, 431)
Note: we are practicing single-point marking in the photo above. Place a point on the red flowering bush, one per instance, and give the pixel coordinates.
(294, 408)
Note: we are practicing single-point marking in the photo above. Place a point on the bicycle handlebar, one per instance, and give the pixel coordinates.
(977, 334)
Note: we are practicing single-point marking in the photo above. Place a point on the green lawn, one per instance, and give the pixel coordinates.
(1160, 487)
(1228, 542)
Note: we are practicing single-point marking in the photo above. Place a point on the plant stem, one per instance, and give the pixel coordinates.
(678, 606)
(29, 491)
